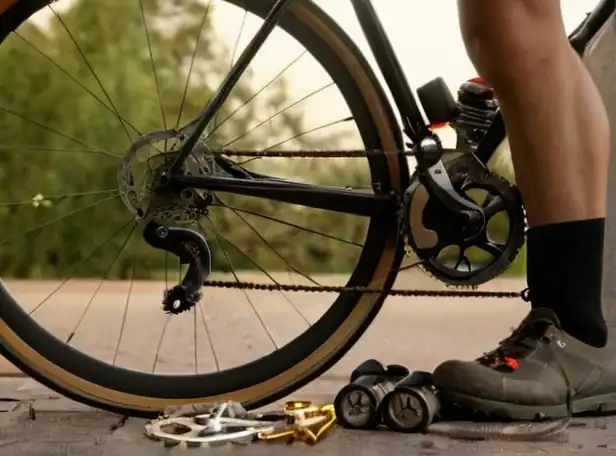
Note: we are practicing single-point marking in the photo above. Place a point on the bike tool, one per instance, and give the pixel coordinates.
(357, 405)
(305, 422)
(412, 406)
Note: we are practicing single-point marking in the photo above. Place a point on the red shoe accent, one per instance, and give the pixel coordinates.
(512, 363)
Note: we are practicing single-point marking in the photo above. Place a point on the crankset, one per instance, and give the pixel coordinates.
(440, 237)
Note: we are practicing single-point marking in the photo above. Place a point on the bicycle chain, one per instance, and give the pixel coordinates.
(309, 154)
(339, 289)
(342, 289)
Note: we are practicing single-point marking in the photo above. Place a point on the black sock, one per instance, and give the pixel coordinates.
(565, 272)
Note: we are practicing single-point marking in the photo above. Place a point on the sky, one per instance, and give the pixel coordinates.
(433, 23)
(420, 31)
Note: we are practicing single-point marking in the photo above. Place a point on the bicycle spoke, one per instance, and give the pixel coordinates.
(274, 251)
(88, 258)
(260, 91)
(237, 40)
(255, 264)
(235, 48)
(56, 198)
(87, 62)
(158, 93)
(192, 63)
(50, 222)
(269, 119)
(299, 135)
(125, 314)
(72, 78)
(196, 341)
(203, 121)
(209, 337)
(53, 130)
(237, 280)
(47, 149)
(248, 257)
(290, 225)
(89, 304)
(286, 298)
(160, 342)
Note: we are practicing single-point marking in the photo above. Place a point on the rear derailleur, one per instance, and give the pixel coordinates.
(192, 249)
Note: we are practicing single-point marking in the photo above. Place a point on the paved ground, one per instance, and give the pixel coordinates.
(65, 428)
(416, 332)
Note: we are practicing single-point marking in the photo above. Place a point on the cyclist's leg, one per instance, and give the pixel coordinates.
(559, 135)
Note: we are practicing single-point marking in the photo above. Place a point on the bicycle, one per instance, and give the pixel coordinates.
(418, 211)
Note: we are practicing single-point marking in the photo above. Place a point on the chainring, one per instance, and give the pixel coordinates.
(210, 425)
(434, 232)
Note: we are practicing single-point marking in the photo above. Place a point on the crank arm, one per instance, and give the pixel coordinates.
(433, 175)
(437, 179)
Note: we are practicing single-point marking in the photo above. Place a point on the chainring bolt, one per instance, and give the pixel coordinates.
(162, 232)
(187, 194)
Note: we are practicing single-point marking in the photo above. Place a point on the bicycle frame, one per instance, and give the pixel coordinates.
(413, 124)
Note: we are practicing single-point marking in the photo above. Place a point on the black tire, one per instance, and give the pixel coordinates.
(83, 378)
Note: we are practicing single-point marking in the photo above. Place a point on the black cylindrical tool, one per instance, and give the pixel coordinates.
(357, 404)
(413, 404)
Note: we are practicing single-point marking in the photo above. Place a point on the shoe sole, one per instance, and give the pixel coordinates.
(596, 404)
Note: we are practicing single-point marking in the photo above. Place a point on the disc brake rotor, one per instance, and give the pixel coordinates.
(142, 167)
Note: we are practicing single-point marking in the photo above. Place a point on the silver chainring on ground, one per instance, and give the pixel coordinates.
(208, 425)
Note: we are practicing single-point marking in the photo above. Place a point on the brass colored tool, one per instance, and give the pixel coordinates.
(305, 422)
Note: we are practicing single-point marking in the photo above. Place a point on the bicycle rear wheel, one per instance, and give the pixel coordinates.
(81, 376)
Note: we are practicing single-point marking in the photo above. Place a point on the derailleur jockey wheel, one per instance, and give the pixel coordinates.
(437, 236)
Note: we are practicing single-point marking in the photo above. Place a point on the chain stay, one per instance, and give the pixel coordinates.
(339, 289)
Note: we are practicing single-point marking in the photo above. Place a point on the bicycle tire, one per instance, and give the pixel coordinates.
(85, 379)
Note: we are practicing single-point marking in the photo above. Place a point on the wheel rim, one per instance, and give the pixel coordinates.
(385, 250)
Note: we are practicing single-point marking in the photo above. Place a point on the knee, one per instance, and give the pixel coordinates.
(505, 37)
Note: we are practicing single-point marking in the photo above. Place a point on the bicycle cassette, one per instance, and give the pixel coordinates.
(436, 235)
